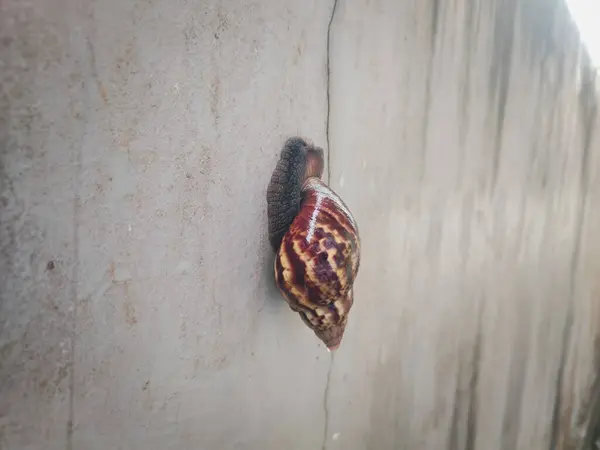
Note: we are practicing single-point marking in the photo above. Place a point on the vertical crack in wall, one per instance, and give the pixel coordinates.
(77, 183)
(327, 135)
(74, 291)
(326, 404)
(328, 89)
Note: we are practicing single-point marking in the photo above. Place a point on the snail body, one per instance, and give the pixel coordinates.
(316, 241)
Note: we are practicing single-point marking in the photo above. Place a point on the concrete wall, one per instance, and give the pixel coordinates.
(137, 304)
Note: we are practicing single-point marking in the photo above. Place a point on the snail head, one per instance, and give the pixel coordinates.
(315, 162)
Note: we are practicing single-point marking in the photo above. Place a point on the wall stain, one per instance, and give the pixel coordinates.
(453, 443)
(434, 30)
(550, 34)
(470, 34)
(590, 415)
(435, 24)
(511, 422)
(190, 34)
(473, 407)
(94, 70)
(215, 86)
(505, 15)
(557, 431)
(588, 108)
(129, 308)
(35, 315)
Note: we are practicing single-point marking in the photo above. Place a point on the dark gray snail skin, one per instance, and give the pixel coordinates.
(298, 161)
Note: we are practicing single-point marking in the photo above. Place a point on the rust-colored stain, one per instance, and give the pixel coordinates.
(95, 74)
(130, 313)
(128, 307)
(214, 104)
(102, 92)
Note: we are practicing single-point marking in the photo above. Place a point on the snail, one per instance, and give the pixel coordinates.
(316, 241)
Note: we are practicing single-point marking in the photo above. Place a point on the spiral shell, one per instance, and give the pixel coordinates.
(318, 259)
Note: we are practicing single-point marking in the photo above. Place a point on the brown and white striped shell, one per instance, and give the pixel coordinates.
(318, 255)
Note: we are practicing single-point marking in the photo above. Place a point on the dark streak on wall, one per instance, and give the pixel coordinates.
(588, 103)
(502, 59)
(473, 387)
(471, 32)
(550, 35)
(435, 23)
(588, 107)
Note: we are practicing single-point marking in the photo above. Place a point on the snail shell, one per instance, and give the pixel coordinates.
(316, 241)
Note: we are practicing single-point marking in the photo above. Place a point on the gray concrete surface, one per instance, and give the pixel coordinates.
(137, 305)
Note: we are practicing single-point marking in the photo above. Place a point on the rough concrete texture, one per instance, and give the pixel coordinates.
(137, 307)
